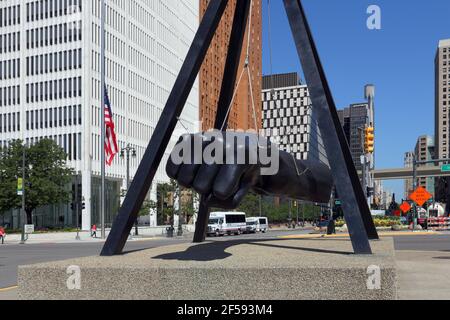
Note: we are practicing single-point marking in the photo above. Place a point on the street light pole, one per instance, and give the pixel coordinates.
(24, 215)
(127, 152)
(77, 208)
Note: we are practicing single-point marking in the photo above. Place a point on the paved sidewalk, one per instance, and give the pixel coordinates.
(59, 237)
(9, 294)
(423, 275)
(85, 237)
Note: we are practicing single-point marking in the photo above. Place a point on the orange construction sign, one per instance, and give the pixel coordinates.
(405, 207)
(420, 196)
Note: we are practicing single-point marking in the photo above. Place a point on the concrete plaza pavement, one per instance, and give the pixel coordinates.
(422, 261)
(423, 265)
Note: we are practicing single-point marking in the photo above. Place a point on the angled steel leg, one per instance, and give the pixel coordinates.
(357, 213)
(166, 125)
(226, 94)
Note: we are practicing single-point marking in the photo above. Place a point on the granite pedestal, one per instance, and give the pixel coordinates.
(278, 269)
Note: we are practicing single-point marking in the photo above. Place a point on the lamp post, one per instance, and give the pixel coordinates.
(24, 216)
(127, 153)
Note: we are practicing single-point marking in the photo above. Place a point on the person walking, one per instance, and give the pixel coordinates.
(2, 234)
(94, 231)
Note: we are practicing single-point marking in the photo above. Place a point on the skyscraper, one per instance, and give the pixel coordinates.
(50, 83)
(442, 116)
(354, 120)
(211, 75)
(408, 163)
(442, 106)
(424, 151)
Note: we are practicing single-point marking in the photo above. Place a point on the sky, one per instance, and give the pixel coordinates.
(398, 60)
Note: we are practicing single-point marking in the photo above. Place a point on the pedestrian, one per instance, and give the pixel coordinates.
(94, 231)
(2, 234)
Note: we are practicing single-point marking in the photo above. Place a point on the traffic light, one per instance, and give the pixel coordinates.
(83, 206)
(369, 144)
(72, 206)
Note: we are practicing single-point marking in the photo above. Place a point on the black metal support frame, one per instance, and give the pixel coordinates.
(355, 206)
(160, 140)
(354, 203)
(226, 95)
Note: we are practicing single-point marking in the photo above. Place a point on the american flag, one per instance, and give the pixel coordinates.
(111, 148)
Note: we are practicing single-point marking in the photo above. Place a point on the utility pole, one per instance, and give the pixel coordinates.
(260, 205)
(414, 188)
(363, 161)
(127, 153)
(290, 213)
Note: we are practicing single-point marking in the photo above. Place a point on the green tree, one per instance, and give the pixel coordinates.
(250, 205)
(166, 195)
(46, 176)
(146, 207)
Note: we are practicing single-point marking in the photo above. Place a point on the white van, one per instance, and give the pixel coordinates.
(258, 224)
(222, 223)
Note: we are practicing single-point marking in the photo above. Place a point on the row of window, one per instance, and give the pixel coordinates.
(53, 117)
(10, 122)
(286, 103)
(288, 121)
(9, 42)
(300, 92)
(54, 62)
(9, 96)
(9, 69)
(71, 143)
(54, 90)
(44, 9)
(52, 35)
(9, 16)
(285, 112)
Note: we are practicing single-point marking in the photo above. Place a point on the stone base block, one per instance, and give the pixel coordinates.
(291, 269)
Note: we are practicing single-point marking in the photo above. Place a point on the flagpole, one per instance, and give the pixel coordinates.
(102, 117)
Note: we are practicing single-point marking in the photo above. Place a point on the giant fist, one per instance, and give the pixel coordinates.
(225, 166)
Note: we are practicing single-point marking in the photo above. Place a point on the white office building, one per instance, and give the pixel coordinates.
(289, 119)
(50, 83)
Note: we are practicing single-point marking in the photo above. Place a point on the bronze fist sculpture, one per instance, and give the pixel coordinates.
(225, 166)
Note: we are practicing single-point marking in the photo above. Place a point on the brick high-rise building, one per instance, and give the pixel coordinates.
(211, 74)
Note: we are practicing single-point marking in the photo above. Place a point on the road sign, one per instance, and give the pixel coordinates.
(420, 196)
(20, 187)
(29, 229)
(445, 168)
(405, 207)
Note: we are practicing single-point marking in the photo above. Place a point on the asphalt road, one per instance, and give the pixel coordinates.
(424, 243)
(11, 256)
